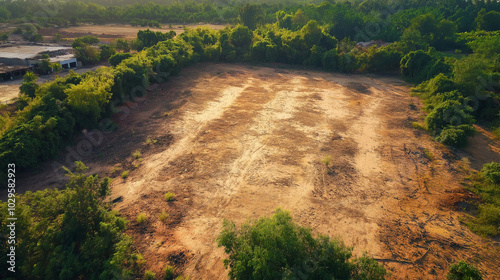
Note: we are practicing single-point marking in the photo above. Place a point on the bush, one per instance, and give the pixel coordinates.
(463, 271)
(115, 59)
(137, 154)
(448, 113)
(142, 217)
(491, 172)
(169, 272)
(455, 136)
(149, 275)
(125, 174)
(169, 196)
(163, 216)
(277, 248)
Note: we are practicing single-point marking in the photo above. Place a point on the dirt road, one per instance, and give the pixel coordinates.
(237, 142)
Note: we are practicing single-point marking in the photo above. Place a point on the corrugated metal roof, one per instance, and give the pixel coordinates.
(28, 52)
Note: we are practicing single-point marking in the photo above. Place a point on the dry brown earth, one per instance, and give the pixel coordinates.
(236, 142)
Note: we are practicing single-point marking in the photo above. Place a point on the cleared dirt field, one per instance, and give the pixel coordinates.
(236, 142)
(111, 32)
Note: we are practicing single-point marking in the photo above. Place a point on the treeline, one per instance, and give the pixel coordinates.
(345, 18)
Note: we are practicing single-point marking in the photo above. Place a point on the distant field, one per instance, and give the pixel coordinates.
(111, 32)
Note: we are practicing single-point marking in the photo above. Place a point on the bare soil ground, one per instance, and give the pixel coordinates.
(237, 141)
(111, 32)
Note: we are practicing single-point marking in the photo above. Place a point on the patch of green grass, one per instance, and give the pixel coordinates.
(142, 217)
(137, 154)
(418, 126)
(125, 174)
(327, 160)
(428, 154)
(169, 272)
(150, 141)
(169, 196)
(149, 275)
(486, 184)
(163, 216)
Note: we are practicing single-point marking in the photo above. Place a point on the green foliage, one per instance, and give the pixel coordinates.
(163, 216)
(250, 15)
(106, 52)
(418, 66)
(169, 196)
(4, 36)
(136, 154)
(147, 38)
(491, 172)
(87, 54)
(85, 40)
(277, 248)
(448, 113)
(125, 174)
(69, 234)
(116, 59)
(122, 45)
(241, 37)
(455, 136)
(142, 217)
(29, 85)
(149, 275)
(89, 98)
(486, 184)
(488, 21)
(169, 272)
(463, 271)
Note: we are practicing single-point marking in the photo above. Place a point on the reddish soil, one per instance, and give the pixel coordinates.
(236, 142)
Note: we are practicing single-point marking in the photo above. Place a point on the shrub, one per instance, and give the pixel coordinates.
(331, 60)
(491, 172)
(163, 216)
(463, 271)
(169, 272)
(417, 125)
(455, 136)
(169, 196)
(142, 217)
(149, 275)
(448, 113)
(137, 154)
(125, 174)
(487, 220)
(277, 248)
(115, 59)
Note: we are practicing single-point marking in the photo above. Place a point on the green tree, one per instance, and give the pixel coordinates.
(277, 248)
(29, 85)
(87, 54)
(4, 36)
(122, 45)
(489, 21)
(241, 37)
(106, 52)
(250, 15)
(69, 234)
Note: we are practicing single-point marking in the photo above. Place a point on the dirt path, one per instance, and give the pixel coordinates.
(237, 142)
